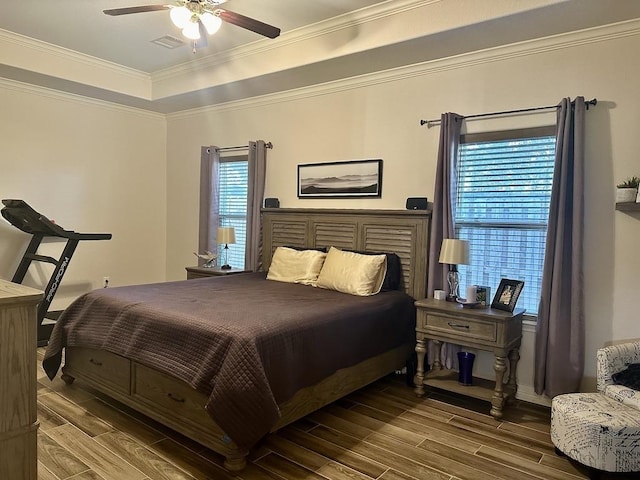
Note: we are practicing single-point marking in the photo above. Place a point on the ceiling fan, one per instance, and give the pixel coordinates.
(195, 17)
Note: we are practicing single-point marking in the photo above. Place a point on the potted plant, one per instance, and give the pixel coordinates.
(627, 191)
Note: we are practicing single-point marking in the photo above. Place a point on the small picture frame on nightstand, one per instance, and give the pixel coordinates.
(483, 296)
(507, 294)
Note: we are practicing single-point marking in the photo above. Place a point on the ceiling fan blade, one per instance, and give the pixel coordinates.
(140, 9)
(249, 23)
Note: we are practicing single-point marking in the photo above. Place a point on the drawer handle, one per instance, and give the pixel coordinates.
(457, 325)
(95, 362)
(174, 398)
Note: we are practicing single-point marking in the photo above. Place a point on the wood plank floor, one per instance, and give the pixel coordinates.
(381, 432)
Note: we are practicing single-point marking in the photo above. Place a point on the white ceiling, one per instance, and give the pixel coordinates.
(81, 26)
(70, 45)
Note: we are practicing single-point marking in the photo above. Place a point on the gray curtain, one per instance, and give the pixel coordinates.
(209, 199)
(442, 216)
(559, 353)
(255, 197)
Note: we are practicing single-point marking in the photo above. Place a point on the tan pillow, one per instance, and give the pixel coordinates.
(353, 273)
(296, 266)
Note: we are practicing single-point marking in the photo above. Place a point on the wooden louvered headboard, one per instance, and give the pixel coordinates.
(404, 232)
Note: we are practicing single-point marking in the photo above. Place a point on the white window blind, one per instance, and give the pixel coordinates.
(233, 207)
(504, 184)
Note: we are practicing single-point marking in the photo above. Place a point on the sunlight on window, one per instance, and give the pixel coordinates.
(233, 207)
(502, 208)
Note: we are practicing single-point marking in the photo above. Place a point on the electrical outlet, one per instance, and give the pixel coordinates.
(105, 282)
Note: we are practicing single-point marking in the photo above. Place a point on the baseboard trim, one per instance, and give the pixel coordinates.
(528, 394)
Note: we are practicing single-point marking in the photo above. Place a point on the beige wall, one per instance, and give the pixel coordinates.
(91, 167)
(377, 116)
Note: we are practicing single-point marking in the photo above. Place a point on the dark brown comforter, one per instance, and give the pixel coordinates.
(246, 342)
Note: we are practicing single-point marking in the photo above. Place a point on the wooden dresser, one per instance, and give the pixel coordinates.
(18, 408)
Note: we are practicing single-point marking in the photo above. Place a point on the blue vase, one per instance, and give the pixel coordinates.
(465, 368)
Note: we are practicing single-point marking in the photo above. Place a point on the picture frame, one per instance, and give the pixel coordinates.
(507, 294)
(344, 179)
(483, 295)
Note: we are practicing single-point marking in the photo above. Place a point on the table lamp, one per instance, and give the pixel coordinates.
(454, 252)
(226, 235)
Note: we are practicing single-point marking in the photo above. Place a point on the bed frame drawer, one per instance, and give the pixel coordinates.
(168, 393)
(460, 328)
(101, 367)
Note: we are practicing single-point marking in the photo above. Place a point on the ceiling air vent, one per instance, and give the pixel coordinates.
(168, 42)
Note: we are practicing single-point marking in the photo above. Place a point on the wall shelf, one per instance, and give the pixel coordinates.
(628, 206)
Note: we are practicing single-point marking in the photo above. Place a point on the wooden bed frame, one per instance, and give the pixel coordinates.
(176, 405)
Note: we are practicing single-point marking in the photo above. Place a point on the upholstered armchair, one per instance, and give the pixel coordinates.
(602, 430)
(614, 361)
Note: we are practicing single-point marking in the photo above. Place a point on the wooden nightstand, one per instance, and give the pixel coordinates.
(200, 272)
(487, 329)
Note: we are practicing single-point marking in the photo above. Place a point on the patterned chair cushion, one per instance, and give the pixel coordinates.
(624, 395)
(614, 359)
(597, 431)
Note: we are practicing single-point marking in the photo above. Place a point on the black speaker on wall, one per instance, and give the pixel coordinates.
(417, 203)
(271, 203)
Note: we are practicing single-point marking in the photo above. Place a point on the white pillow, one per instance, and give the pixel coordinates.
(353, 273)
(296, 266)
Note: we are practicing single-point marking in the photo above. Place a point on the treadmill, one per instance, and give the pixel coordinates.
(25, 218)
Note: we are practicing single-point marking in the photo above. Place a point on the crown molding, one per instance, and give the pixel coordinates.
(350, 20)
(494, 54)
(55, 51)
(326, 45)
(486, 56)
(7, 84)
(44, 59)
(308, 32)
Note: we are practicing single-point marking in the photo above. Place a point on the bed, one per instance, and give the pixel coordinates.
(251, 376)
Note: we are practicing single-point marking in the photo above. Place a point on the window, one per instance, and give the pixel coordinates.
(232, 186)
(501, 206)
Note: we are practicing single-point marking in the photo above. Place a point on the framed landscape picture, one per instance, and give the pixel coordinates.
(356, 178)
(507, 294)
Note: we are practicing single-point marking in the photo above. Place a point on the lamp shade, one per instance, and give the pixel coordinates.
(180, 16)
(211, 22)
(192, 30)
(226, 235)
(454, 251)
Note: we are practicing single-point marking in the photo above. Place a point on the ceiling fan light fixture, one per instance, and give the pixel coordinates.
(180, 16)
(192, 30)
(191, 16)
(211, 22)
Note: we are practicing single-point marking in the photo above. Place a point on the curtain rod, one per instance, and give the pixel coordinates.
(431, 123)
(242, 147)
